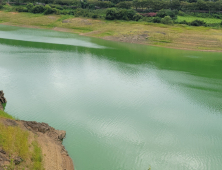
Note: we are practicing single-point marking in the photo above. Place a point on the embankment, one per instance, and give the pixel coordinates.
(31, 145)
(176, 36)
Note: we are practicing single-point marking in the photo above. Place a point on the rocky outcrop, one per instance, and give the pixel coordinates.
(50, 140)
(56, 135)
(2, 100)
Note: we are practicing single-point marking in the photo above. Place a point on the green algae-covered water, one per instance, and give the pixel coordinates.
(124, 106)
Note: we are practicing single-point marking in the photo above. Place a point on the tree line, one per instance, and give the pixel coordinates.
(151, 5)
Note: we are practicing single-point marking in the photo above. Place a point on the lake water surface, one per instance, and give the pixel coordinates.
(124, 106)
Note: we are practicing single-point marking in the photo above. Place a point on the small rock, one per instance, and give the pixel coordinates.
(61, 134)
(17, 160)
(2, 151)
(9, 122)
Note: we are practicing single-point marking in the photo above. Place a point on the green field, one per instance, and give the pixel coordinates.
(192, 18)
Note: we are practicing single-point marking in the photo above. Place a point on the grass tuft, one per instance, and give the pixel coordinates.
(37, 156)
(14, 140)
(6, 115)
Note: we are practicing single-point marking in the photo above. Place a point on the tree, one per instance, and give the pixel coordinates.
(175, 4)
(136, 3)
(124, 4)
(111, 14)
(167, 20)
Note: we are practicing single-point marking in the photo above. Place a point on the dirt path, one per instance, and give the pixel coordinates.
(54, 157)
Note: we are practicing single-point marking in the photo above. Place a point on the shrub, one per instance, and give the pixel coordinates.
(38, 9)
(1, 6)
(104, 4)
(84, 4)
(181, 13)
(56, 6)
(71, 12)
(21, 9)
(94, 16)
(64, 12)
(198, 23)
(167, 20)
(125, 14)
(56, 11)
(48, 10)
(63, 2)
(130, 14)
(124, 5)
(8, 8)
(217, 16)
(156, 19)
(184, 22)
(79, 12)
(30, 7)
(111, 14)
(167, 12)
(137, 17)
(122, 15)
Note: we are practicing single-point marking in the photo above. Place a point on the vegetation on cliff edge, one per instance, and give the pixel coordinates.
(17, 142)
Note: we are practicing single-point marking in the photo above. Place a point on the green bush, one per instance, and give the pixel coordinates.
(104, 4)
(156, 19)
(64, 2)
(218, 16)
(167, 20)
(184, 22)
(181, 13)
(38, 9)
(167, 12)
(71, 12)
(125, 14)
(124, 5)
(56, 6)
(137, 17)
(48, 10)
(56, 11)
(79, 12)
(30, 7)
(1, 6)
(21, 9)
(8, 8)
(64, 12)
(95, 16)
(198, 23)
(111, 14)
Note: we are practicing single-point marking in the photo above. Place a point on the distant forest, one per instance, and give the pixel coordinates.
(148, 5)
(156, 11)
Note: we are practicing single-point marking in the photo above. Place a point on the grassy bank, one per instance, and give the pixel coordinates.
(192, 18)
(176, 36)
(17, 142)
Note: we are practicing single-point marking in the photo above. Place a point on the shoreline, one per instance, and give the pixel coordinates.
(43, 148)
(174, 37)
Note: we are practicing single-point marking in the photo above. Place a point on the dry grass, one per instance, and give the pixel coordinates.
(14, 140)
(177, 36)
(18, 142)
